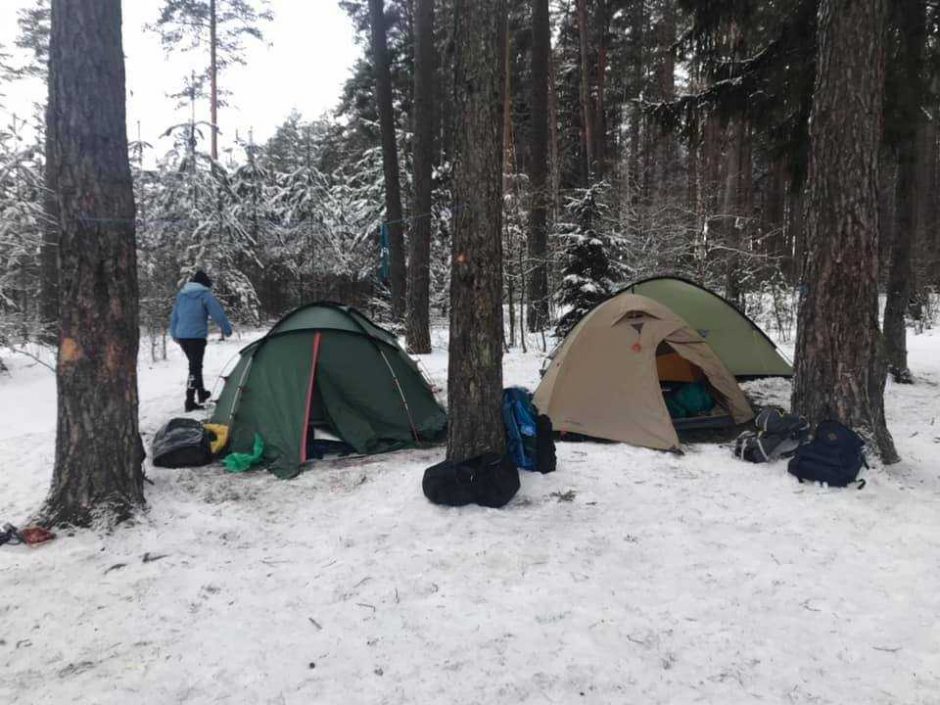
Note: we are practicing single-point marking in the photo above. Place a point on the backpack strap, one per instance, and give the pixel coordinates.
(760, 447)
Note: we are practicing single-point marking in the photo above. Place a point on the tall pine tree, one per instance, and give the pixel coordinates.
(840, 365)
(99, 453)
(475, 370)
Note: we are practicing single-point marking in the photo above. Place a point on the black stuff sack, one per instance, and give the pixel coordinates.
(834, 456)
(544, 444)
(489, 480)
(181, 443)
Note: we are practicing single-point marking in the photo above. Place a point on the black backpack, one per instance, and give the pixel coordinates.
(777, 435)
(489, 480)
(529, 439)
(834, 456)
(181, 443)
(544, 444)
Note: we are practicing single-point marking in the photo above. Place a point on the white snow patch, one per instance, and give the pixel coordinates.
(626, 576)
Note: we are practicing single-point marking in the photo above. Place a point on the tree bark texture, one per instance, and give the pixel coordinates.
(840, 369)
(909, 93)
(419, 275)
(664, 143)
(49, 250)
(393, 210)
(587, 113)
(537, 240)
(213, 79)
(475, 372)
(600, 104)
(98, 448)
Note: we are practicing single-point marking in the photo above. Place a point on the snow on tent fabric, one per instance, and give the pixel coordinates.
(606, 379)
(326, 368)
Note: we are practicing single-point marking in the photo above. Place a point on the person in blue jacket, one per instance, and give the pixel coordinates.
(189, 327)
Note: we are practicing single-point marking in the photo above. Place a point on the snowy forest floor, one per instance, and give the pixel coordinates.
(628, 576)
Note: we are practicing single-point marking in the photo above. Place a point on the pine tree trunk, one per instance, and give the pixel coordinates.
(840, 368)
(732, 211)
(797, 235)
(600, 106)
(587, 117)
(99, 453)
(537, 240)
(900, 271)
(665, 72)
(773, 214)
(49, 251)
(475, 372)
(906, 202)
(213, 79)
(393, 210)
(926, 213)
(635, 176)
(419, 284)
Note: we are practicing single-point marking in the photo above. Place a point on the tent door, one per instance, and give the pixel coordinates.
(675, 372)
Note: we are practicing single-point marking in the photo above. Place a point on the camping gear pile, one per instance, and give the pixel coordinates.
(491, 480)
(833, 454)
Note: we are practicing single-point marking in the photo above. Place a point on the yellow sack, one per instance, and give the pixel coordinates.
(218, 436)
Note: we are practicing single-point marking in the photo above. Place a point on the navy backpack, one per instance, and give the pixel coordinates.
(834, 456)
(529, 439)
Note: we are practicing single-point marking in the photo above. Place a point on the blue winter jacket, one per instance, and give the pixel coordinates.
(194, 304)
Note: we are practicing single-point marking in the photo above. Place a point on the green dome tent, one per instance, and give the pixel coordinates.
(326, 367)
(739, 342)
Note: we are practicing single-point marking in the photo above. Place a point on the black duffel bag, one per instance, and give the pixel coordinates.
(489, 480)
(181, 443)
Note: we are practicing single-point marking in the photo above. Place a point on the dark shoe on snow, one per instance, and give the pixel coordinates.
(193, 406)
(203, 395)
(10, 534)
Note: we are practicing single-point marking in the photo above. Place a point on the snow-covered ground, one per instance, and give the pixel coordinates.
(628, 576)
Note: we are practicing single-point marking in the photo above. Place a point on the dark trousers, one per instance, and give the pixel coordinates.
(195, 349)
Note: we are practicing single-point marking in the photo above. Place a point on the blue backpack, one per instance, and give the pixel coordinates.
(528, 435)
(834, 456)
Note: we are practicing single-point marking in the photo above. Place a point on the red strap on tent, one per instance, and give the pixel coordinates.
(310, 387)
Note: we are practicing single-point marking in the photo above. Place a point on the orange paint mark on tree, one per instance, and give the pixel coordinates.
(70, 351)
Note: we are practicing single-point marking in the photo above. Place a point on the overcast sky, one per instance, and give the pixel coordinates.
(307, 54)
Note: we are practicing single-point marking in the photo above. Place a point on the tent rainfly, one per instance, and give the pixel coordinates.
(605, 379)
(326, 367)
(742, 346)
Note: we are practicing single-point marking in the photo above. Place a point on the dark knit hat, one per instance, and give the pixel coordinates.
(201, 277)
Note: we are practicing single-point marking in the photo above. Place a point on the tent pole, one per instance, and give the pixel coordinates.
(238, 391)
(401, 393)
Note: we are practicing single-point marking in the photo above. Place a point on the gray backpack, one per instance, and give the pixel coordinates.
(777, 434)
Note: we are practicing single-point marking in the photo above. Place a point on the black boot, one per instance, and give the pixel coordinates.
(191, 404)
(203, 395)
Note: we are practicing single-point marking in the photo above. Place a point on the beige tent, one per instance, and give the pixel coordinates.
(605, 378)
